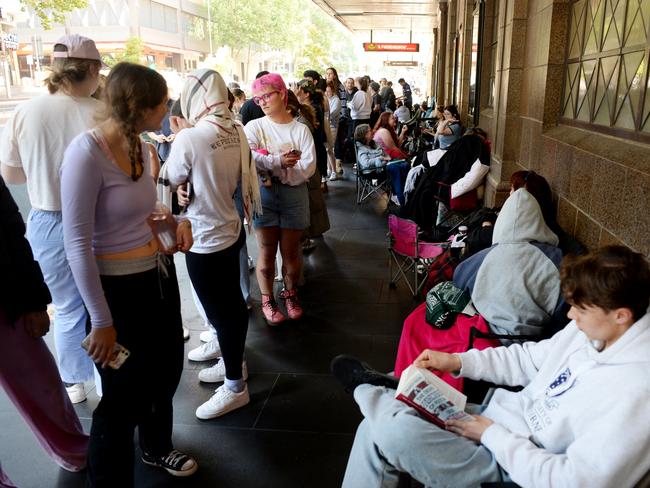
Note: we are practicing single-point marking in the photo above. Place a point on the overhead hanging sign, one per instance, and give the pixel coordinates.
(401, 63)
(392, 47)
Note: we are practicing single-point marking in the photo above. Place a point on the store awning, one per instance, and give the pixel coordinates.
(383, 15)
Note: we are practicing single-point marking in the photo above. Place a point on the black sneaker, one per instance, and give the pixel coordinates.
(352, 372)
(175, 463)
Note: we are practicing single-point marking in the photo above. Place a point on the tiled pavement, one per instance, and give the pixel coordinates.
(298, 429)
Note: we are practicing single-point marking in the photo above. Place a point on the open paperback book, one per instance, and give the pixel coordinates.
(434, 399)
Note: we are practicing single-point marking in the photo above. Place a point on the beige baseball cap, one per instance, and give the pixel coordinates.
(78, 47)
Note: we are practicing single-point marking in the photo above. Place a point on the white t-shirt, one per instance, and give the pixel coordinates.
(212, 163)
(276, 139)
(37, 135)
(403, 114)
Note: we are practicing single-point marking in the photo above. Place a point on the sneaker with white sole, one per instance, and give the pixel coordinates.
(223, 401)
(217, 373)
(206, 352)
(175, 463)
(208, 335)
(76, 392)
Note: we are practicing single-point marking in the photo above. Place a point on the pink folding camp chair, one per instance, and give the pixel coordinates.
(413, 258)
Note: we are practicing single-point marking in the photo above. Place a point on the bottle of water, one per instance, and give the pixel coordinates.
(162, 228)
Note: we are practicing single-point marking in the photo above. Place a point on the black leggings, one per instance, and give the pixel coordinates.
(146, 312)
(215, 278)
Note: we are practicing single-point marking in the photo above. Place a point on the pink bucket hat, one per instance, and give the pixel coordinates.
(78, 47)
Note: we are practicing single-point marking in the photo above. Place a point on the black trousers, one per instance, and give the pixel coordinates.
(341, 136)
(349, 156)
(215, 278)
(146, 314)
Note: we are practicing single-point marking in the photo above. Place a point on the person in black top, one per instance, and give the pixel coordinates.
(376, 103)
(406, 93)
(28, 372)
(307, 93)
(250, 111)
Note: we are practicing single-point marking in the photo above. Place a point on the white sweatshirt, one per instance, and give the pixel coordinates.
(472, 179)
(583, 418)
(360, 106)
(213, 164)
(275, 139)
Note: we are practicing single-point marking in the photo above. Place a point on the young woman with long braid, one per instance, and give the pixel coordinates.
(128, 286)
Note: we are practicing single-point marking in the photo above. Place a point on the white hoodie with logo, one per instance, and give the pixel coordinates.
(583, 418)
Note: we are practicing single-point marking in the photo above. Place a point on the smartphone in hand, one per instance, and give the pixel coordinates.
(120, 354)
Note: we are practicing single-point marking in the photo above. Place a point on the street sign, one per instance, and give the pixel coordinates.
(10, 41)
(413, 64)
(391, 47)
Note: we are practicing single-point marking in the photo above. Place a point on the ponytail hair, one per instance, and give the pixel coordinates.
(130, 90)
(297, 109)
(65, 72)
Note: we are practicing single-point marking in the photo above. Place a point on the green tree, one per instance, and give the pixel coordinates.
(255, 24)
(325, 44)
(133, 53)
(53, 11)
(299, 29)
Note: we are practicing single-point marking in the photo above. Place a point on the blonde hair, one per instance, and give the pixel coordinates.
(65, 72)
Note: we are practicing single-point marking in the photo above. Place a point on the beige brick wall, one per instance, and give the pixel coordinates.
(601, 183)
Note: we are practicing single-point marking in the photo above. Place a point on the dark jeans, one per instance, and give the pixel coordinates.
(397, 173)
(215, 278)
(341, 136)
(349, 143)
(146, 314)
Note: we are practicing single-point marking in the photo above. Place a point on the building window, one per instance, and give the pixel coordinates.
(457, 66)
(492, 49)
(476, 61)
(195, 27)
(158, 16)
(606, 81)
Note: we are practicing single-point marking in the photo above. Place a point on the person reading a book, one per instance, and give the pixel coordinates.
(580, 420)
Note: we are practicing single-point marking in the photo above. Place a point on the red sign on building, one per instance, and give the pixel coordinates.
(391, 47)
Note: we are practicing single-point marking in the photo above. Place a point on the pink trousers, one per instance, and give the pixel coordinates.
(31, 379)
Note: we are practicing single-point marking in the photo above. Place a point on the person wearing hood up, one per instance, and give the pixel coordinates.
(514, 285)
(580, 420)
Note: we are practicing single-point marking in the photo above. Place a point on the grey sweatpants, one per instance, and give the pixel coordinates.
(392, 438)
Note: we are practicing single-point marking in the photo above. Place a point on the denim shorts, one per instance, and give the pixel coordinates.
(284, 206)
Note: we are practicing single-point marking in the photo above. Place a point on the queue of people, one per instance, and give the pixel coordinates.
(103, 238)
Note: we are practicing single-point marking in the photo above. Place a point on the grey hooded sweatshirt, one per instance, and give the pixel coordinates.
(515, 284)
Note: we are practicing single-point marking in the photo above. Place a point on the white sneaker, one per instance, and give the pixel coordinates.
(206, 352)
(76, 392)
(208, 335)
(217, 373)
(223, 401)
(186, 333)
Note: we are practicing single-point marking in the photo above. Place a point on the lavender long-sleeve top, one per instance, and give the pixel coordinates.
(104, 212)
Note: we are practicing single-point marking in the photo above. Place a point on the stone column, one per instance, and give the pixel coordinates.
(451, 36)
(442, 53)
(506, 137)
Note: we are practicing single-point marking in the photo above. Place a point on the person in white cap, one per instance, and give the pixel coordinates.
(31, 151)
